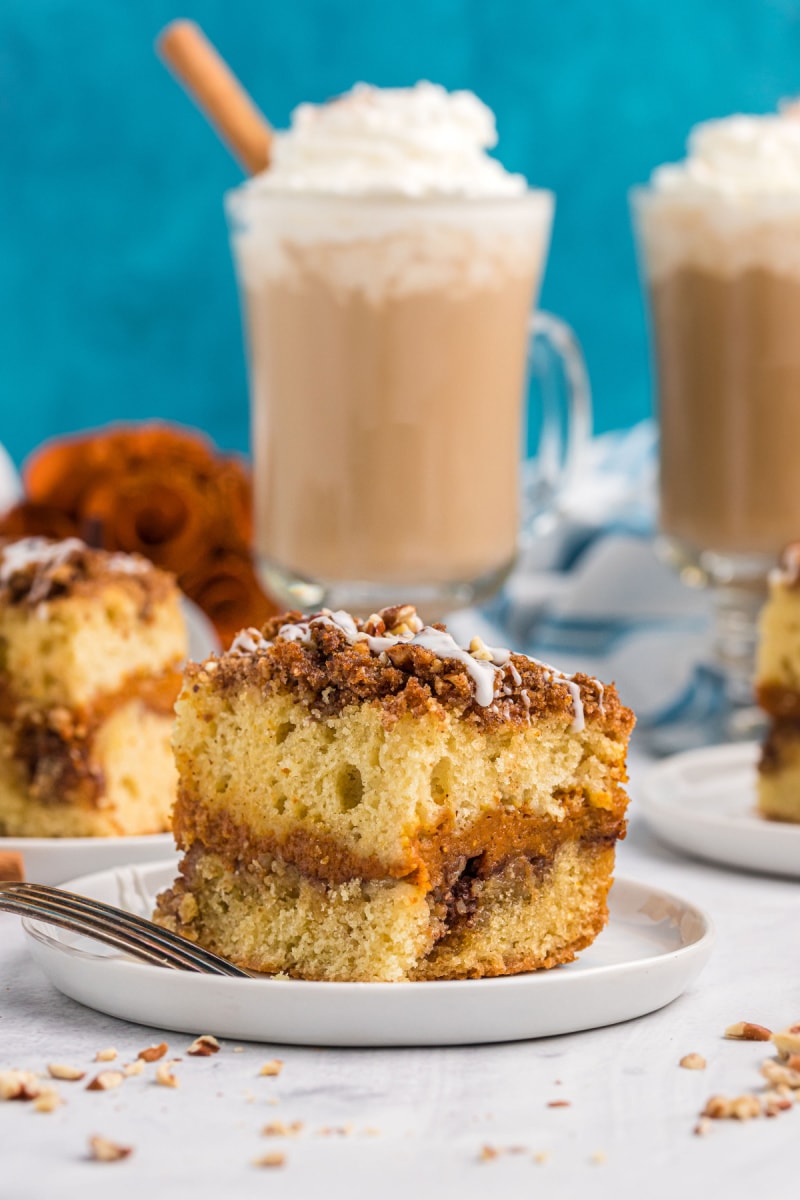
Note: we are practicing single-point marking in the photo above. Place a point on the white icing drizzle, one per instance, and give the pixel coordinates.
(128, 564)
(553, 675)
(249, 641)
(485, 673)
(579, 719)
(38, 551)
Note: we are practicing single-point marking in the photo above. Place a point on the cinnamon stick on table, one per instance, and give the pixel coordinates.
(217, 92)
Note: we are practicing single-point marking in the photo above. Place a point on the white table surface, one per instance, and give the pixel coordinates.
(433, 1110)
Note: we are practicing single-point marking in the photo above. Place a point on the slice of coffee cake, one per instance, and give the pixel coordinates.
(778, 691)
(370, 801)
(90, 647)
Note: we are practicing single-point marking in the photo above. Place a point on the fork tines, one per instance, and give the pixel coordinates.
(114, 926)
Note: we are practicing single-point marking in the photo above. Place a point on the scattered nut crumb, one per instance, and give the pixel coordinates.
(703, 1127)
(281, 1129)
(19, 1085)
(775, 1102)
(204, 1046)
(104, 1150)
(153, 1053)
(738, 1108)
(47, 1101)
(105, 1081)
(273, 1067)
(273, 1159)
(133, 1068)
(164, 1075)
(541, 1157)
(62, 1071)
(336, 1130)
(238, 1049)
(478, 649)
(107, 1055)
(777, 1073)
(487, 1154)
(693, 1062)
(746, 1031)
(599, 1157)
(787, 1041)
(371, 1131)
(559, 1103)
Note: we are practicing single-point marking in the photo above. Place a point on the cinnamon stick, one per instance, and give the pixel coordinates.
(217, 93)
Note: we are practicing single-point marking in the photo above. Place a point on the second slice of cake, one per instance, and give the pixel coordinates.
(90, 649)
(370, 801)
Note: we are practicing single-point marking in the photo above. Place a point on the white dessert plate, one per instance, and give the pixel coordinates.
(52, 860)
(704, 803)
(655, 945)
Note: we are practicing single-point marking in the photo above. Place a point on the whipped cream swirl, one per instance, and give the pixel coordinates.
(739, 157)
(416, 142)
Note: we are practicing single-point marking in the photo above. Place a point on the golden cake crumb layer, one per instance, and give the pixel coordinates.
(527, 915)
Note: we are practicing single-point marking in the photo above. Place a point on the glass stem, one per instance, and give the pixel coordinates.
(736, 609)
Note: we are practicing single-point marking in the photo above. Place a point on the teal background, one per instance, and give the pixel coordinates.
(117, 296)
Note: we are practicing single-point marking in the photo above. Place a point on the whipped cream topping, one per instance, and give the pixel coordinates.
(739, 157)
(485, 665)
(419, 141)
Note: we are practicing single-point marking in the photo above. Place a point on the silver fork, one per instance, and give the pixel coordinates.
(124, 930)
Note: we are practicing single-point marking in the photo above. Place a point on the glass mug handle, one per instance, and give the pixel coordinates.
(556, 362)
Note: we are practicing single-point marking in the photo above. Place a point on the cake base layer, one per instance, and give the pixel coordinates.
(269, 917)
(779, 772)
(119, 781)
(350, 795)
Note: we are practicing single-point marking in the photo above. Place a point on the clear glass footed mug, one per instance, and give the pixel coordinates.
(722, 276)
(389, 341)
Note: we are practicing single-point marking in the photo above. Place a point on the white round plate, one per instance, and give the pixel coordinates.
(653, 948)
(704, 802)
(52, 860)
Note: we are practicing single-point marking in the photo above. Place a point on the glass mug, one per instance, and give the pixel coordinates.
(722, 276)
(388, 344)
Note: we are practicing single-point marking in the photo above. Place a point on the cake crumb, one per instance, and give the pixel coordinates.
(107, 1055)
(488, 1153)
(693, 1062)
(559, 1103)
(273, 1067)
(541, 1157)
(238, 1049)
(153, 1053)
(274, 1159)
(104, 1150)
(703, 1127)
(598, 1158)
